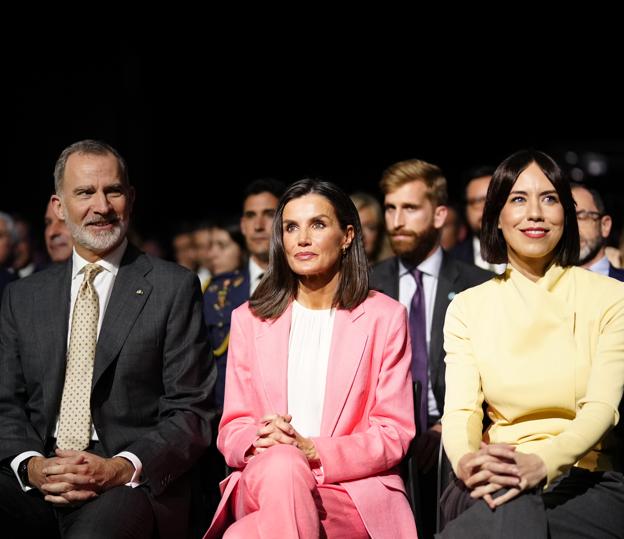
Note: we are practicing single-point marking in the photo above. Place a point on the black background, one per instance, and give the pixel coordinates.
(198, 119)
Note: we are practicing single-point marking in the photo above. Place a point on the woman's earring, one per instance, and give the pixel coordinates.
(344, 250)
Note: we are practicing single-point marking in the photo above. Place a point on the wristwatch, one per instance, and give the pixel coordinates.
(22, 472)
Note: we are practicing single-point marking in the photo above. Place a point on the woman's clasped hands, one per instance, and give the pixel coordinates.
(500, 466)
(276, 429)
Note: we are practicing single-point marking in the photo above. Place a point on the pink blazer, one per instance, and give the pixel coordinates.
(368, 419)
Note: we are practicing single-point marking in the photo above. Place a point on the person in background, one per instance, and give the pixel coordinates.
(238, 282)
(202, 239)
(227, 290)
(24, 263)
(184, 248)
(259, 202)
(58, 240)
(454, 230)
(616, 254)
(371, 215)
(546, 356)
(318, 408)
(594, 228)
(424, 279)
(476, 184)
(8, 239)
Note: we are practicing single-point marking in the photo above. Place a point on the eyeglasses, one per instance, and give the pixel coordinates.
(584, 215)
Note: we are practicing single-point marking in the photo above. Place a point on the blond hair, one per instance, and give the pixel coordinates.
(412, 170)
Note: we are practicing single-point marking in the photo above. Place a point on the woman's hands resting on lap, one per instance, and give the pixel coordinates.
(497, 466)
(276, 429)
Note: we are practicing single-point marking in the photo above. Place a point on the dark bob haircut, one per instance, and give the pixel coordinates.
(280, 284)
(493, 245)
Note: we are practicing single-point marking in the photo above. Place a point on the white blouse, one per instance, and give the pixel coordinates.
(308, 356)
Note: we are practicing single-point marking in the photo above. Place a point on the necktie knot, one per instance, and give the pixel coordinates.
(90, 271)
(417, 274)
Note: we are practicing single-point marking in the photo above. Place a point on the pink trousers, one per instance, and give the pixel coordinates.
(277, 497)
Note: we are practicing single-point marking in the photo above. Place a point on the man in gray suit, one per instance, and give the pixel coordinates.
(149, 377)
(415, 197)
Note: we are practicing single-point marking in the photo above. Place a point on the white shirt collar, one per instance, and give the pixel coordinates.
(429, 266)
(110, 262)
(254, 270)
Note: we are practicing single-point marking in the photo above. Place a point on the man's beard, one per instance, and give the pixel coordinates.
(590, 248)
(95, 241)
(419, 246)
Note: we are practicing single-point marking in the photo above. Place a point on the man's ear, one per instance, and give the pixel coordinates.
(439, 216)
(605, 226)
(57, 206)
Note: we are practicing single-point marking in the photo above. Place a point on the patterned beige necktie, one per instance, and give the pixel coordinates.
(75, 416)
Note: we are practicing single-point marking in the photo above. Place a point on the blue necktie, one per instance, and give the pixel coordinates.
(418, 336)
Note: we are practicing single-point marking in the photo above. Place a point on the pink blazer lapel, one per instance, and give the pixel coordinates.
(272, 352)
(348, 343)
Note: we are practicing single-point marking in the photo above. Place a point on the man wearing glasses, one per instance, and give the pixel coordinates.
(476, 181)
(594, 229)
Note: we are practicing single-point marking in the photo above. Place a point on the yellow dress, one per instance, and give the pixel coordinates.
(548, 358)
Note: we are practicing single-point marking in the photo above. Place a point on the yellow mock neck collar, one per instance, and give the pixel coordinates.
(547, 282)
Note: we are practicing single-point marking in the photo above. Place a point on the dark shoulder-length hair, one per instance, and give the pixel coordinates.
(493, 245)
(280, 283)
(231, 226)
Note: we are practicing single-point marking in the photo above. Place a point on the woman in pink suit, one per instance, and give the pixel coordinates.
(318, 402)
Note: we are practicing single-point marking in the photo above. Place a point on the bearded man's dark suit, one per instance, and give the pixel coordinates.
(152, 377)
(454, 277)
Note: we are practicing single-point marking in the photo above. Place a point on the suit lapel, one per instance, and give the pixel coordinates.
(129, 294)
(444, 294)
(53, 296)
(348, 343)
(272, 353)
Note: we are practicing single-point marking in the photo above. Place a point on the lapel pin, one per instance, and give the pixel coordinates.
(451, 295)
(139, 292)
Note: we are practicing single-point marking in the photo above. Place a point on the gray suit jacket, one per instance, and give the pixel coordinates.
(151, 382)
(455, 276)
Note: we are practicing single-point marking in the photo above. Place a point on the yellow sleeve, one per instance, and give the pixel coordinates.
(462, 423)
(597, 410)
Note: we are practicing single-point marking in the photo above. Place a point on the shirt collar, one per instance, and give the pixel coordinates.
(110, 262)
(429, 266)
(602, 266)
(254, 270)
